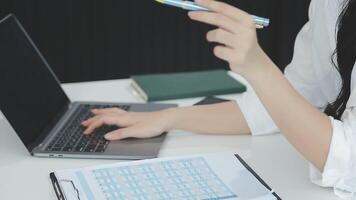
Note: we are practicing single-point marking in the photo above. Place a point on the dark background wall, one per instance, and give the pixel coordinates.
(105, 39)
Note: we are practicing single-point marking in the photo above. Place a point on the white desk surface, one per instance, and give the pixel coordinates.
(272, 157)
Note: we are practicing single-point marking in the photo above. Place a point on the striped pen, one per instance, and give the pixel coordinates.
(189, 5)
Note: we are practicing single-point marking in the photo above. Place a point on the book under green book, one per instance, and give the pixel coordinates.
(158, 87)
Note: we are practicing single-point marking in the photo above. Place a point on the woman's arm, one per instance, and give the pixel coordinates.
(308, 129)
(223, 118)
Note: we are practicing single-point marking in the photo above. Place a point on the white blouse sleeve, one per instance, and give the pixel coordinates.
(255, 114)
(300, 72)
(340, 170)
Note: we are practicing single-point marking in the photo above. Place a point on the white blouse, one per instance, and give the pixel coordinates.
(313, 75)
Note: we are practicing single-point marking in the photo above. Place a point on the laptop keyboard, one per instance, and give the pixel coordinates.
(72, 139)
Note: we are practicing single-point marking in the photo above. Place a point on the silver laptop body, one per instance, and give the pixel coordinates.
(39, 111)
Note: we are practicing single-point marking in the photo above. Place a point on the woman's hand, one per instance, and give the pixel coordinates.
(136, 125)
(236, 34)
(308, 129)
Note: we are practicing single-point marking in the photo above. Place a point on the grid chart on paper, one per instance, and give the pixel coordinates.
(177, 179)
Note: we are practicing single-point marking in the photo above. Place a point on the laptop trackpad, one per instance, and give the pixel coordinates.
(140, 148)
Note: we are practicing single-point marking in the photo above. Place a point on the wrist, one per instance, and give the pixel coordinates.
(170, 117)
(261, 67)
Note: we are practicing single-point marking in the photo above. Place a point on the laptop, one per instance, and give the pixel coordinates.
(47, 122)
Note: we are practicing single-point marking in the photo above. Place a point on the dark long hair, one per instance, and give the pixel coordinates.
(345, 54)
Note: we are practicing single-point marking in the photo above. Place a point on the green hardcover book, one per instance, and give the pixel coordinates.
(158, 87)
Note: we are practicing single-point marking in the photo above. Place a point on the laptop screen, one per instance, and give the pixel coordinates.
(30, 95)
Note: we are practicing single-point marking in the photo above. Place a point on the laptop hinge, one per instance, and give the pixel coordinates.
(48, 128)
